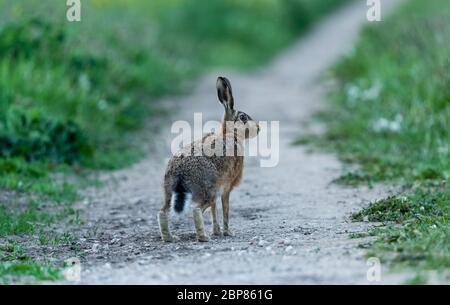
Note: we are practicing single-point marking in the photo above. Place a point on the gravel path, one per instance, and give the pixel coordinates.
(291, 221)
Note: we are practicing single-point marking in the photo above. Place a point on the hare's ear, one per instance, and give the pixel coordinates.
(224, 93)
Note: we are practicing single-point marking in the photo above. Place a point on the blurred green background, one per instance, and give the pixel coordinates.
(71, 93)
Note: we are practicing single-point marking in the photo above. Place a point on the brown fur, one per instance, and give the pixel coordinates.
(206, 175)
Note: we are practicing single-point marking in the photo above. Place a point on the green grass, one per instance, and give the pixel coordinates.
(36, 177)
(390, 113)
(32, 217)
(27, 272)
(418, 230)
(79, 93)
(75, 93)
(18, 267)
(418, 279)
(74, 97)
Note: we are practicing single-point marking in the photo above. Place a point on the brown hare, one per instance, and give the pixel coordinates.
(208, 168)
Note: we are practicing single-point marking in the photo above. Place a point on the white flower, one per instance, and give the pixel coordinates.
(372, 93)
(443, 149)
(84, 82)
(102, 104)
(383, 124)
(355, 93)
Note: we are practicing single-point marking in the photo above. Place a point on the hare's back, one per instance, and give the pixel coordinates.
(198, 175)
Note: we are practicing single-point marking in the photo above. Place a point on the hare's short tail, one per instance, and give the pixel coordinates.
(181, 198)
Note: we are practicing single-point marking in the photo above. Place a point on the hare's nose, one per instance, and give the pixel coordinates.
(257, 126)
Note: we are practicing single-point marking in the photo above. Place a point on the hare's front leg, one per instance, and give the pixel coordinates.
(216, 227)
(200, 225)
(226, 211)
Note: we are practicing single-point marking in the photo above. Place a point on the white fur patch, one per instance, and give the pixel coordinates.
(186, 205)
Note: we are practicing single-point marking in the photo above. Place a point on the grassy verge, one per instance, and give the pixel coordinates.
(18, 267)
(390, 113)
(74, 96)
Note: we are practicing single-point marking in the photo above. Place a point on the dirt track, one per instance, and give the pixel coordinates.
(291, 222)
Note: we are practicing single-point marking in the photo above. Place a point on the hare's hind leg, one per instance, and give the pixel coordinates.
(163, 221)
(200, 225)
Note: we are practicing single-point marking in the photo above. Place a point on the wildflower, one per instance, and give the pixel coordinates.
(385, 125)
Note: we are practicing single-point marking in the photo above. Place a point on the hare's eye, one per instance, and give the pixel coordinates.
(243, 117)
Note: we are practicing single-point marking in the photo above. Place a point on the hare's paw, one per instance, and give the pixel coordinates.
(202, 238)
(167, 239)
(217, 231)
(170, 238)
(228, 232)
